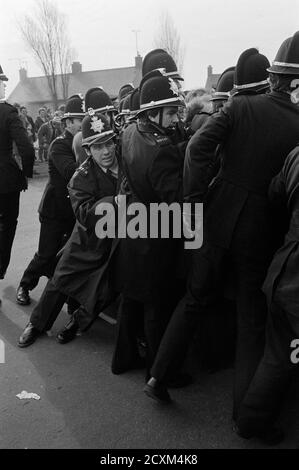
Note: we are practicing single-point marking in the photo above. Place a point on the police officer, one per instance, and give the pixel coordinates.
(124, 91)
(12, 176)
(159, 58)
(98, 100)
(223, 88)
(263, 400)
(256, 133)
(153, 168)
(55, 211)
(81, 271)
(251, 75)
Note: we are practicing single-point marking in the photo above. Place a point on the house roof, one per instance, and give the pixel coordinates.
(35, 89)
(212, 80)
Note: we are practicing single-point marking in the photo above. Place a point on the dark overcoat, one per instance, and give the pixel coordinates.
(256, 133)
(12, 177)
(153, 166)
(55, 203)
(282, 280)
(81, 271)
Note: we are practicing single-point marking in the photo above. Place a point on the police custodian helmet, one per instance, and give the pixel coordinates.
(74, 107)
(287, 58)
(96, 129)
(98, 100)
(159, 58)
(224, 85)
(251, 71)
(157, 89)
(124, 91)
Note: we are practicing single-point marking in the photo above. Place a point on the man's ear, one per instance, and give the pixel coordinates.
(87, 150)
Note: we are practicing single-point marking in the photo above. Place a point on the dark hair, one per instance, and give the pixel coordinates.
(282, 83)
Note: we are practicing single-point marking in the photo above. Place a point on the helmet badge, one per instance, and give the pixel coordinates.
(173, 86)
(97, 125)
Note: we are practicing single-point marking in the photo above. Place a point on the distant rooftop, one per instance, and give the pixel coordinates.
(35, 89)
(212, 79)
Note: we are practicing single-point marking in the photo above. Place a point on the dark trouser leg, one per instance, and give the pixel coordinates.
(53, 235)
(130, 316)
(251, 323)
(156, 319)
(9, 211)
(205, 272)
(263, 398)
(47, 310)
(40, 151)
(72, 305)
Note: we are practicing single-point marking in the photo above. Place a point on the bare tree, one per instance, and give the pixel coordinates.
(45, 34)
(168, 38)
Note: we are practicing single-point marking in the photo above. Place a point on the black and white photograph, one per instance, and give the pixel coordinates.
(149, 228)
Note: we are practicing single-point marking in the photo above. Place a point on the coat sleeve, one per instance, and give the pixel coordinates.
(19, 135)
(84, 200)
(201, 154)
(63, 159)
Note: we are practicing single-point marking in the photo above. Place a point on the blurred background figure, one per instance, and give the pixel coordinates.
(198, 109)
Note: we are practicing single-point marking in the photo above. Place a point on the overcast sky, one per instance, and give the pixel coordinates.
(214, 32)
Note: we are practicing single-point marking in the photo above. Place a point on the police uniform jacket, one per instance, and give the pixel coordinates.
(12, 177)
(153, 167)
(82, 270)
(256, 133)
(282, 281)
(55, 203)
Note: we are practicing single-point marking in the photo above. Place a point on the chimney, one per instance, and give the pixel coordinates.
(23, 74)
(210, 70)
(138, 62)
(76, 67)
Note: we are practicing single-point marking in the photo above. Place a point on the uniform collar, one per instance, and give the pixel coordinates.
(68, 134)
(112, 171)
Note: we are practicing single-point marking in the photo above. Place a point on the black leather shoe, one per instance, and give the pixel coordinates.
(271, 436)
(23, 297)
(69, 332)
(179, 381)
(28, 336)
(157, 391)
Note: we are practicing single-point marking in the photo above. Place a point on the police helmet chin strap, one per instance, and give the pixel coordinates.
(161, 117)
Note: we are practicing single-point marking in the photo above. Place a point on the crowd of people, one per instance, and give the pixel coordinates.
(233, 150)
(42, 131)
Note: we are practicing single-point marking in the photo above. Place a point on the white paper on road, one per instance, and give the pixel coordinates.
(28, 396)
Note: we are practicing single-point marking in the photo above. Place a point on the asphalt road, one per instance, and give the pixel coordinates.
(82, 405)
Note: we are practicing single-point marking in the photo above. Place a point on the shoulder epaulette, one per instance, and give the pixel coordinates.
(84, 167)
(161, 140)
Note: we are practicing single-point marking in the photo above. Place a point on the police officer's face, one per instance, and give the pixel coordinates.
(74, 125)
(2, 89)
(170, 117)
(104, 154)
